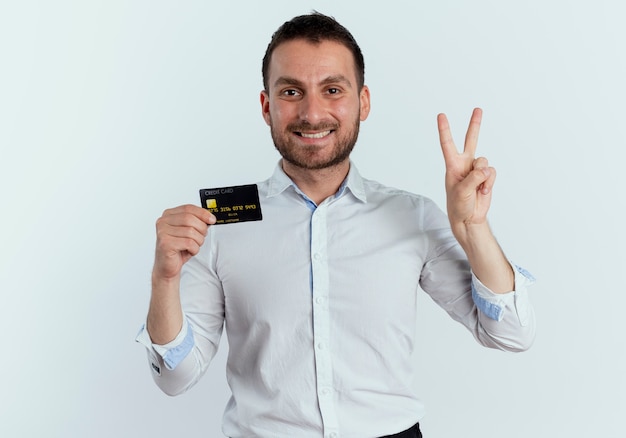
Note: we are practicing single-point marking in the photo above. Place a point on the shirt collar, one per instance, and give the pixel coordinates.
(279, 182)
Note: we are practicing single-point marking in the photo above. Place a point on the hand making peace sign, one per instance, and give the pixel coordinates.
(469, 180)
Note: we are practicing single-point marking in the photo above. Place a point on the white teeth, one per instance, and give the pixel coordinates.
(316, 135)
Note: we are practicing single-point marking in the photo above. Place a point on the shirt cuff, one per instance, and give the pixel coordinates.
(493, 305)
(174, 351)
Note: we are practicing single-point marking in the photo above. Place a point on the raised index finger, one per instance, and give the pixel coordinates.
(471, 138)
(445, 138)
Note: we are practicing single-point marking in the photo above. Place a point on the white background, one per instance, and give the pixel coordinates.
(112, 111)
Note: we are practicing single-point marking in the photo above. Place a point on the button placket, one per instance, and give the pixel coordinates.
(321, 319)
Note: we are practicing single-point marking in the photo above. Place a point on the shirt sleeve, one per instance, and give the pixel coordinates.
(502, 321)
(172, 353)
(494, 305)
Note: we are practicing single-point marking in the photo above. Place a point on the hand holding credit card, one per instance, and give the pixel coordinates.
(233, 204)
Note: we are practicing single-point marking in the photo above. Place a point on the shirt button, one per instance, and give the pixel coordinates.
(325, 391)
(332, 435)
(319, 300)
(317, 256)
(321, 346)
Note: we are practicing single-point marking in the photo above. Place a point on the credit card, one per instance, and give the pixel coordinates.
(233, 204)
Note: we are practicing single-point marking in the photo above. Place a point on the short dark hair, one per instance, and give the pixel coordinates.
(315, 28)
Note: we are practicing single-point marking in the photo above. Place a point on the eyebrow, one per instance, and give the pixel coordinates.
(334, 79)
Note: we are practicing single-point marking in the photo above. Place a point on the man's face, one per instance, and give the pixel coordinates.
(313, 105)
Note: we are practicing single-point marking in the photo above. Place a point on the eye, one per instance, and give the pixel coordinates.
(333, 90)
(290, 92)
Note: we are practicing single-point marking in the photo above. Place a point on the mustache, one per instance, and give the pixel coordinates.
(306, 126)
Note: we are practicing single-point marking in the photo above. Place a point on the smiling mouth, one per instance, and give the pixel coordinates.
(314, 134)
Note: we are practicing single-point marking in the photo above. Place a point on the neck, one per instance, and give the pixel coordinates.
(317, 184)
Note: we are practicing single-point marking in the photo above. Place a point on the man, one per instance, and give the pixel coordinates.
(318, 298)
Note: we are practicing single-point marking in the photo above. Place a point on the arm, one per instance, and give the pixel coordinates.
(179, 346)
(180, 234)
(469, 183)
(503, 321)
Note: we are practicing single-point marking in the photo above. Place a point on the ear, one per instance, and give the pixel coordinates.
(364, 97)
(265, 106)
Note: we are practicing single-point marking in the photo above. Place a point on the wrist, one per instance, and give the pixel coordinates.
(485, 256)
(159, 280)
(472, 235)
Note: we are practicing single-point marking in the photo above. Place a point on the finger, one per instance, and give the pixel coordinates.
(169, 245)
(471, 138)
(181, 226)
(201, 213)
(176, 232)
(189, 215)
(445, 139)
(480, 162)
(488, 184)
(476, 181)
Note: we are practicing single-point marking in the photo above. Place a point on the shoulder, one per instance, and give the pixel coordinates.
(380, 192)
(391, 199)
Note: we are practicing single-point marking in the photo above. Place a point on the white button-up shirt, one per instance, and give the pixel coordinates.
(319, 304)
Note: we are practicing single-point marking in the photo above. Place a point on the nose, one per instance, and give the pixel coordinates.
(312, 108)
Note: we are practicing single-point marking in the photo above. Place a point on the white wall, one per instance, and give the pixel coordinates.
(111, 111)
